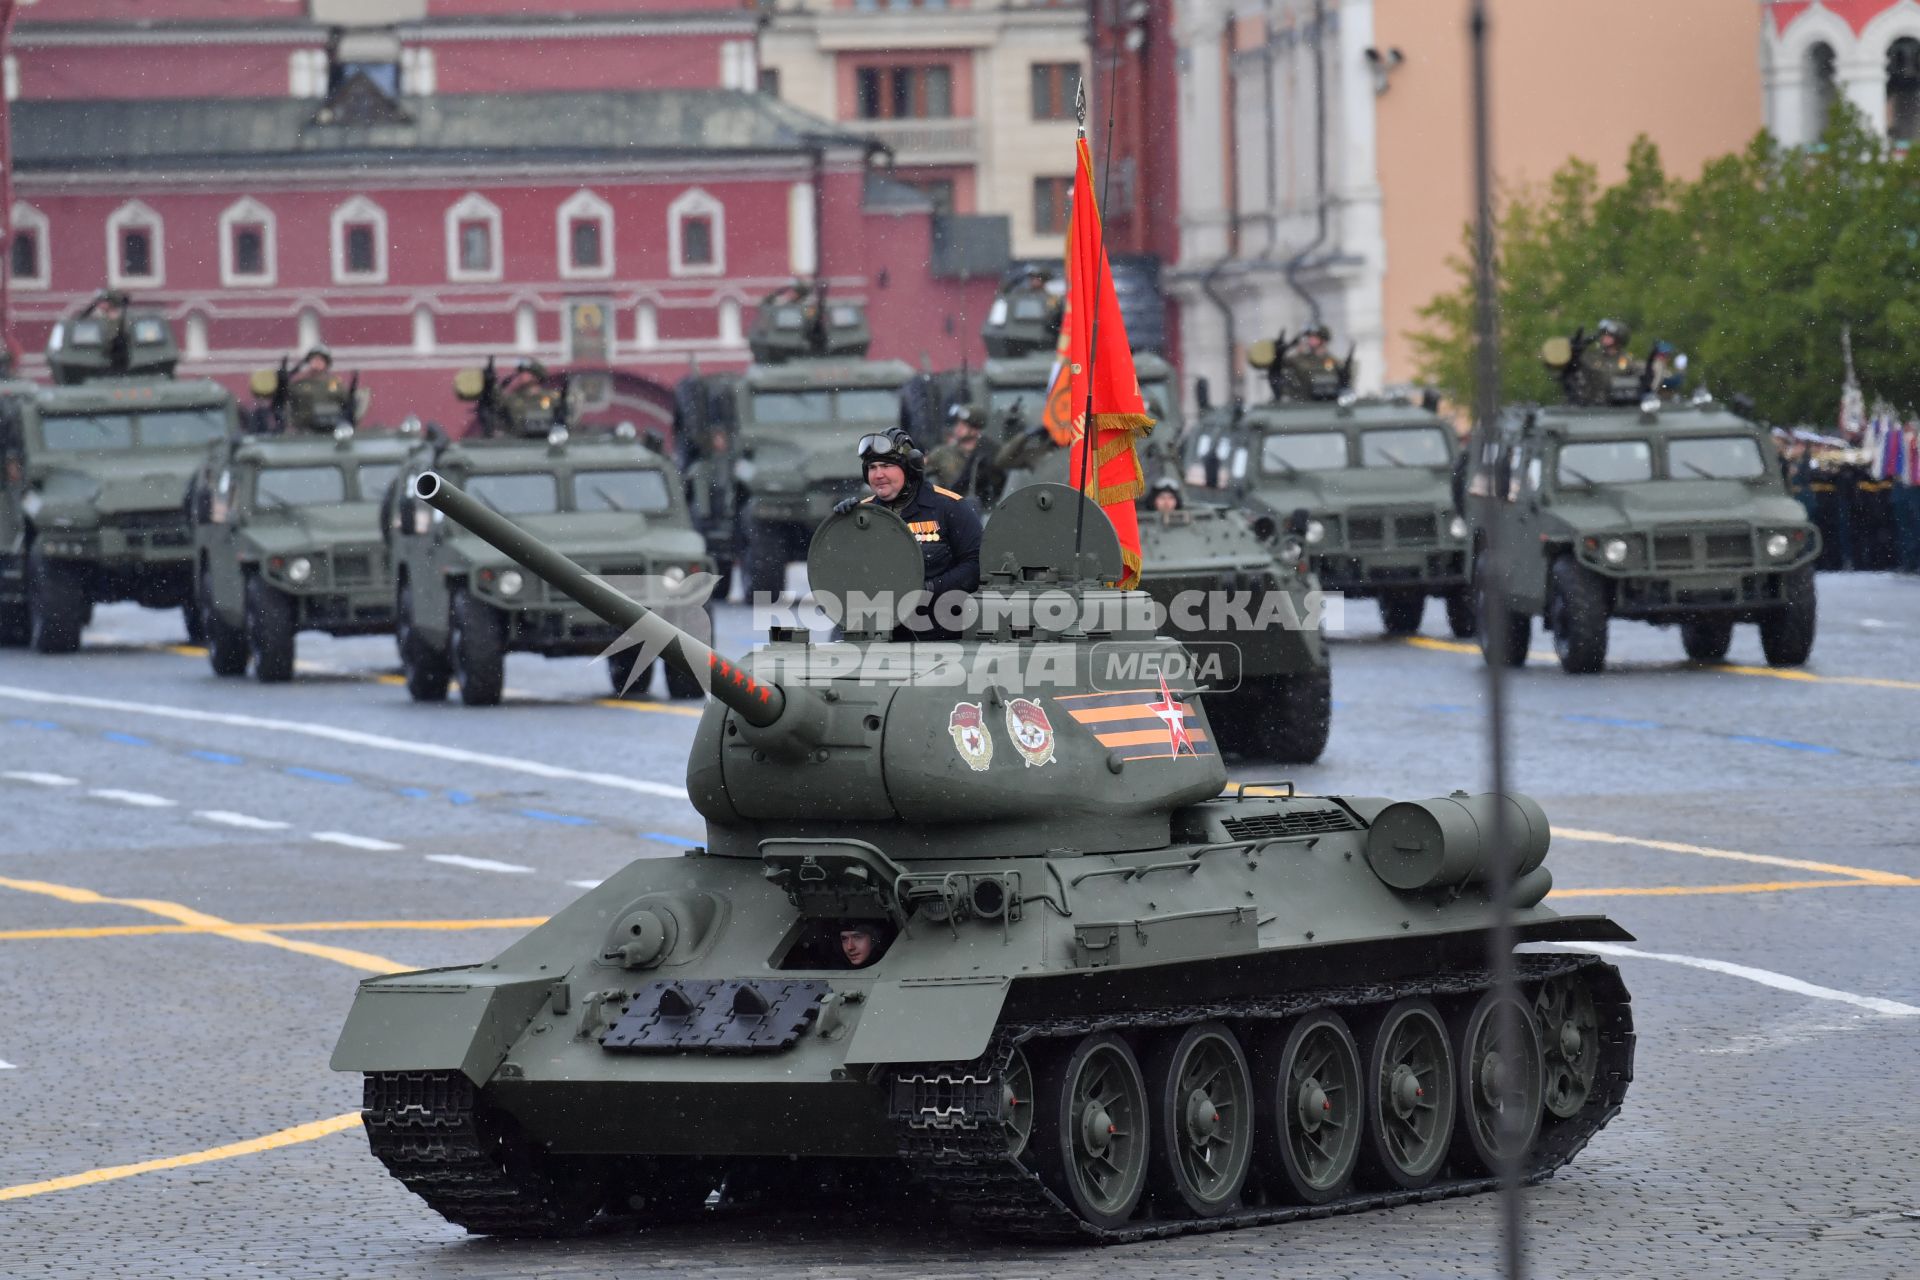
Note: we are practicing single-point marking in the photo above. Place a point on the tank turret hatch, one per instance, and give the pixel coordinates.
(1033, 535)
(862, 566)
(112, 338)
(800, 322)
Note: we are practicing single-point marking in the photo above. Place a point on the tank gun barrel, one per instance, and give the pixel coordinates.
(759, 702)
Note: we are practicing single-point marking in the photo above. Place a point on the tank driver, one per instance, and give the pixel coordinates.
(946, 525)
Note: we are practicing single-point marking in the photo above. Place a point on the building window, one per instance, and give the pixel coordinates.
(1055, 86)
(247, 244)
(473, 239)
(696, 235)
(938, 190)
(1050, 197)
(1903, 89)
(360, 242)
(307, 73)
(418, 75)
(27, 263)
(135, 247)
(770, 81)
(249, 249)
(584, 230)
(903, 93)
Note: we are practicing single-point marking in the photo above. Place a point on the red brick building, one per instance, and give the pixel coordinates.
(469, 178)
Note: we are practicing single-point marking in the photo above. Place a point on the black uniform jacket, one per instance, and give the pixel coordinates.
(947, 527)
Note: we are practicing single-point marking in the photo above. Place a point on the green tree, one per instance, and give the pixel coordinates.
(1752, 268)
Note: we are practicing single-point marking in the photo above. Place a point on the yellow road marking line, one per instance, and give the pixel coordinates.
(1769, 673)
(1764, 859)
(657, 708)
(186, 650)
(1689, 890)
(252, 1146)
(304, 926)
(209, 923)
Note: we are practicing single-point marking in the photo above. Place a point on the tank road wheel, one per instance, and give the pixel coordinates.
(1401, 610)
(1201, 1096)
(1578, 612)
(226, 646)
(767, 560)
(478, 641)
(1707, 639)
(1491, 612)
(1463, 616)
(1786, 634)
(1313, 1131)
(56, 605)
(1016, 1103)
(270, 616)
(1292, 719)
(426, 669)
(1569, 1042)
(1091, 1130)
(1409, 1096)
(1499, 1080)
(620, 666)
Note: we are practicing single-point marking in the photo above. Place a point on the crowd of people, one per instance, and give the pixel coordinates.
(1861, 487)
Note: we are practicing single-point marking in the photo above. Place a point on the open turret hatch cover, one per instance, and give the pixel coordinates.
(864, 560)
(1032, 536)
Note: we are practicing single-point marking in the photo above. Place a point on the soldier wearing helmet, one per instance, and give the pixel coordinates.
(1606, 363)
(945, 524)
(1310, 371)
(1164, 495)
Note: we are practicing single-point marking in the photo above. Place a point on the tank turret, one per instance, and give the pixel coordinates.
(112, 338)
(799, 322)
(531, 401)
(307, 396)
(1025, 318)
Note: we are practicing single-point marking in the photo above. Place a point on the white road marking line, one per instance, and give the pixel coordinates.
(7, 1066)
(1765, 977)
(476, 864)
(40, 779)
(142, 799)
(357, 842)
(243, 820)
(351, 737)
(586, 884)
(1872, 623)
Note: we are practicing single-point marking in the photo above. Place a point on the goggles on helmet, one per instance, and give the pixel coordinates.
(881, 448)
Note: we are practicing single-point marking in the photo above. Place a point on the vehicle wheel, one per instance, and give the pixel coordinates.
(196, 629)
(1492, 613)
(1786, 634)
(681, 686)
(427, 669)
(1313, 1107)
(16, 624)
(1463, 618)
(1499, 1081)
(226, 645)
(1401, 611)
(1409, 1097)
(1091, 1132)
(1016, 1103)
(270, 615)
(56, 605)
(1201, 1098)
(478, 642)
(620, 668)
(767, 561)
(1707, 639)
(1293, 718)
(1569, 1042)
(1579, 614)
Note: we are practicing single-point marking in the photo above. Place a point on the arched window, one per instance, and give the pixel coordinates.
(1903, 89)
(247, 248)
(136, 247)
(28, 263)
(1823, 88)
(359, 243)
(473, 239)
(583, 231)
(696, 235)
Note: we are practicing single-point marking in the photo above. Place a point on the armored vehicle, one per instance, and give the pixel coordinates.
(1665, 512)
(461, 607)
(1372, 476)
(94, 472)
(973, 913)
(790, 424)
(287, 539)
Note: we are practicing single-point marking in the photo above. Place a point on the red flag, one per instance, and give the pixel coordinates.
(1095, 351)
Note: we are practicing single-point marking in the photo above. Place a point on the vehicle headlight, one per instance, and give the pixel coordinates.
(1457, 527)
(299, 569)
(510, 583)
(1778, 544)
(1614, 551)
(674, 575)
(1316, 532)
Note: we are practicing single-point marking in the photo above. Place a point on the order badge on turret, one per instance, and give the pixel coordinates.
(1031, 731)
(968, 726)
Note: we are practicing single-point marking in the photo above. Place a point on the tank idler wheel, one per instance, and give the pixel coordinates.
(1579, 611)
(1091, 1131)
(1707, 639)
(1410, 1096)
(1016, 1103)
(620, 667)
(1314, 1113)
(1569, 1042)
(427, 670)
(478, 642)
(1498, 1049)
(1401, 610)
(1201, 1095)
(270, 631)
(1463, 618)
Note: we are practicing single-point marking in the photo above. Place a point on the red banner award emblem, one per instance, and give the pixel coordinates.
(969, 729)
(1031, 731)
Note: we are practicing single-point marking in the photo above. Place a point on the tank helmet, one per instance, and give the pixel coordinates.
(1319, 331)
(1165, 484)
(892, 445)
(962, 413)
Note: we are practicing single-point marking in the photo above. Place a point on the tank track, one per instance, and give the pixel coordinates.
(956, 1148)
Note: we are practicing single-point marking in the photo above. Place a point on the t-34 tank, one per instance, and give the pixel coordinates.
(1113, 997)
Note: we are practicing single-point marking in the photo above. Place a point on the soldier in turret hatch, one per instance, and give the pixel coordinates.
(1311, 372)
(1164, 496)
(862, 943)
(312, 365)
(946, 525)
(1604, 359)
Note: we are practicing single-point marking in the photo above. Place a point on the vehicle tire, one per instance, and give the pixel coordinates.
(56, 605)
(1409, 1097)
(680, 686)
(1707, 639)
(1401, 610)
(1091, 1131)
(1786, 634)
(427, 669)
(1294, 718)
(1463, 619)
(1200, 1095)
(767, 553)
(226, 645)
(1500, 1082)
(190, 614)
(1492, 613)
(1312, 1106)
(478, 643)
(16, 624)
(620, 667)
(270, 629)
(1578, 611)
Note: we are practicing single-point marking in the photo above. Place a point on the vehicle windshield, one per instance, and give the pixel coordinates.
(1405, 447)
(1284, 453)
(376, 478)
(79, 433)
(177, 428)
(640, 489)
(869, 404)
(159, 429)
(516, 493)
(1605, 462)
(299, 486)
(1714, 458)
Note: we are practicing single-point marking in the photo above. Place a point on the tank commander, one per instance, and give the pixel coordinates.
(1164, 496)
(946, 525)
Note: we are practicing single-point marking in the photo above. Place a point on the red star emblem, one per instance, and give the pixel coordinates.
(1174, 716)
